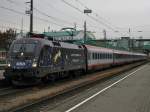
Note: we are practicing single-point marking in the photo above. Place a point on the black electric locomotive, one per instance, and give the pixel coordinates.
(31, 60)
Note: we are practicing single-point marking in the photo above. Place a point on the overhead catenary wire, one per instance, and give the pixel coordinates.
(21, 13)
(14, 2)
(96, 14)
(69, 4)
(74, 18)
(42, 13)
(12, 10)
(73, 6)
(58, 20)
(48, 21)
(51, 17)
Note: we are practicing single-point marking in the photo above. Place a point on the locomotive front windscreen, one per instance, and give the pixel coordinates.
(25, 47)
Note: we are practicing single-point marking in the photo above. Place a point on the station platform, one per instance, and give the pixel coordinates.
(128, 94)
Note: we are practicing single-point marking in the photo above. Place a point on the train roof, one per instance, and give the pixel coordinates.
(108, 50)
(48, 42)
(96, 49)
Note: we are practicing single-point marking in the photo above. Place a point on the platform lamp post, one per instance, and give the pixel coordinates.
(86, 11)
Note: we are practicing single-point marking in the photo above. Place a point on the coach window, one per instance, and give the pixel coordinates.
(92, 55)
(110, 56)
(101, 55)
(104, 55)
(96, 56)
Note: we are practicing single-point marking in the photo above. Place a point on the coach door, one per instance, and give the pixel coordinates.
(45, 57)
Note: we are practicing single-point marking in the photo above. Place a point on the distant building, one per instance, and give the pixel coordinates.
(124, 43)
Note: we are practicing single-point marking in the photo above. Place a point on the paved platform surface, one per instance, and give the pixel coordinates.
(129, 95)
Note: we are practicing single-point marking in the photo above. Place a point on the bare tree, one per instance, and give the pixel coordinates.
(6, 38)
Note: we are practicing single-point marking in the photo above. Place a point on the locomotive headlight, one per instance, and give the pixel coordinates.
(9, 65)
(34, 64)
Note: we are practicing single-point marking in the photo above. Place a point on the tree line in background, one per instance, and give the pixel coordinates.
(6, 38)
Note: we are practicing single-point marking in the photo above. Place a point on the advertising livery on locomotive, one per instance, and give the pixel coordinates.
(32, 60)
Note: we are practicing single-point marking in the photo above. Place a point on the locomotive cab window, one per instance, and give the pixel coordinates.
(24, 47)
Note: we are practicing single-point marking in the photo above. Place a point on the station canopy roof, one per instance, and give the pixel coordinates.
(69, 35)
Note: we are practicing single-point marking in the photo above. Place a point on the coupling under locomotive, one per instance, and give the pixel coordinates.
(31, 60)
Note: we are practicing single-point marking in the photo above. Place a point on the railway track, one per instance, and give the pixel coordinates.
(40, 95)
(9, 91)
(4, 88)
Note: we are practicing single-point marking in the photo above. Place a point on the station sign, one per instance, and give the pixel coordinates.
(28, 12)
(87, 11)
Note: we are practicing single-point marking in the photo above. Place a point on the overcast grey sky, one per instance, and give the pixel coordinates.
(120, 15)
